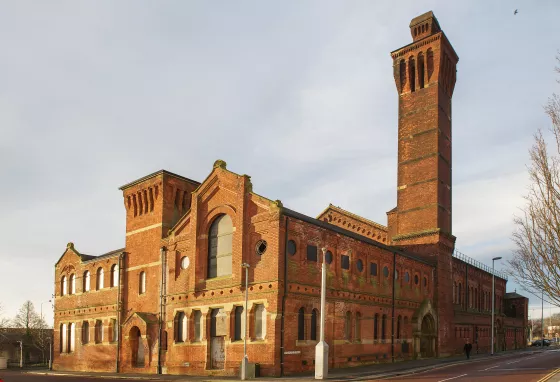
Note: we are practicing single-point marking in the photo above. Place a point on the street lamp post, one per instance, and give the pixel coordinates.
(245, 362)
(322, 349)
(493, 305)
(42, 308)
(542, 319)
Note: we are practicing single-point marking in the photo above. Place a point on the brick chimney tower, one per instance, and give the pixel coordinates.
(425, 73)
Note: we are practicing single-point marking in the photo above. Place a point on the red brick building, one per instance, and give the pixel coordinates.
(173, 298)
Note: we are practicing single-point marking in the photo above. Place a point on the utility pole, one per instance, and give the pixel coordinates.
(20, 354)
(542, 318)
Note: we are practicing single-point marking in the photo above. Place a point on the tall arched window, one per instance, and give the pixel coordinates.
(142, 282)
(460, 296)
(384, 327)
(301, 324)
(72, 284)
(348, 326)
(260, 321)
(238, 332)
(99, 279)
(405, 327)
(114, 275)
(71, 337)
(85, 332)
(220, 247)
(412, 73)
(63, 338)
(454, 292)
(399, 327)
(376, 326)
(86, 281)
(421, 70)
(180, 327)
(63, 286)
(197, 325)
(358, 330)
(314, 325)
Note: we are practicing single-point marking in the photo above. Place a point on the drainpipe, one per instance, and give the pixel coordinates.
(119, 311)
(284, 296)
(162, 291)
(393, 308)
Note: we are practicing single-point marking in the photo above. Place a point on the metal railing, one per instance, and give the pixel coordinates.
(475, 263)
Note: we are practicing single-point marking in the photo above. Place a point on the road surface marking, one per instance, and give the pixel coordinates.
(459, 376)
(490, 368)
(509, 363)
(548, 376)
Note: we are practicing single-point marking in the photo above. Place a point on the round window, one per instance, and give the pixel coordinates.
(406, 278)
(185, 262)
(328, 257)
(385, 271)
(416, 279)
(291, 247)
(360, 265)
(260, 248)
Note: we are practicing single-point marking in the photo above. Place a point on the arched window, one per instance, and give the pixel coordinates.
(314, 325)
(239, 333)
(180, 327)
(98, 331)
(412, 74)
(402, 74)
(348, 327)
(72, 284)
(99, 279)
(220, 247)
(86, 281)
(197, 325)
(375, 326)
(85, 332)
(113, 330)
(301, 324)
(63, 338)
(142, 282)
(421, 70)
(63, 286)
(260, 321)
(430, 63)
(384, 327)
(114, 275)
(358, 330)
(71, 337)
(399, 327)
(460, 296)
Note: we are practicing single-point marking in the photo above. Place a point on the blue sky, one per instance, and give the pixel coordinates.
(297, 94)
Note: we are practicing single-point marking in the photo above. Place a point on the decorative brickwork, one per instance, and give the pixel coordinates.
(173, 300)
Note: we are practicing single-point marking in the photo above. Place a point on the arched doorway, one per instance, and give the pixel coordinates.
(428, 337)
(136, 347)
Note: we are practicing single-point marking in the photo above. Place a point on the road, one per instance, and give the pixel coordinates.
(526, 367)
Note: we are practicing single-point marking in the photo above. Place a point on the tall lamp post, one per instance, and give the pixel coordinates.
(493, 304)
(322, 349)
(245, 362)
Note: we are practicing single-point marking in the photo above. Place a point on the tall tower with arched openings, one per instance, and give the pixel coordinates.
(425, 74)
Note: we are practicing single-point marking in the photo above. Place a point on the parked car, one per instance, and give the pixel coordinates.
(539, 342)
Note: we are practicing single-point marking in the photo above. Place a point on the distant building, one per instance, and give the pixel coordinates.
(173, 298)
(35, 346)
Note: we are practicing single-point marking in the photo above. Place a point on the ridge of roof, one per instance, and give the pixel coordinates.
(86, 258)
(361, 218)
(160, 172)
(513, 295)
(353, 235)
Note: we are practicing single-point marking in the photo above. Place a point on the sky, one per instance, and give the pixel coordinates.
(297, 94)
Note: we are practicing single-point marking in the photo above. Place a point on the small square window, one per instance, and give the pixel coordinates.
(373, 269)
(311, 252)
(345, 262)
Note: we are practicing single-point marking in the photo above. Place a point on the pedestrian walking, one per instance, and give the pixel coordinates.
(468, 348)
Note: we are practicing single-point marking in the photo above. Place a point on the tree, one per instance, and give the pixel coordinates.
(36, 333)
(4, 322)
(535, 261)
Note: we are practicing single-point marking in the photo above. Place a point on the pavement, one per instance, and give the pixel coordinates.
(540, 363)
